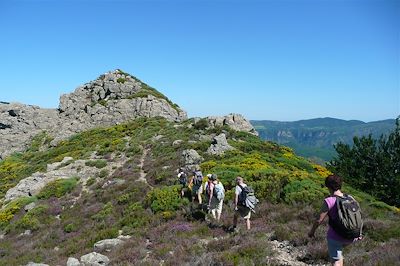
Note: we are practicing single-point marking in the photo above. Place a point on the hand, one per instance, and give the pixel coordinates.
(236, 208)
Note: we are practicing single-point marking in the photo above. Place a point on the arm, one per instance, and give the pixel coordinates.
(210, 195)
(236, 200)
(317, 223)
(191, 181)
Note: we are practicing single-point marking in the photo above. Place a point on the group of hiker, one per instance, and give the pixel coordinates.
(345, 223)
(214, 192)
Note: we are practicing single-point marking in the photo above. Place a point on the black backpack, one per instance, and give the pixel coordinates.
(349, 222)
(182, 178)
(198, 178)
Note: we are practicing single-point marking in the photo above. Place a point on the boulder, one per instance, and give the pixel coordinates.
(107, 244)
(30, 206)
(191, 157)
(219, 145)
(94, 259)
(73, 262)
(36, 264)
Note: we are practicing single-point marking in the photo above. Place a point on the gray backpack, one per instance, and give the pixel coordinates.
(247, 198)
(219, 191)
(349, 222)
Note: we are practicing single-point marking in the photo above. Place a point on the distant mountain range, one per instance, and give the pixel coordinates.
(314, 138)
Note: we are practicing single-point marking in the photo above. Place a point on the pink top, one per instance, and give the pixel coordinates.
(333, 214)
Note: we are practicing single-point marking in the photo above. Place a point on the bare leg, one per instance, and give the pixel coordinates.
(199, 197)
(338, 263)
(248, 224)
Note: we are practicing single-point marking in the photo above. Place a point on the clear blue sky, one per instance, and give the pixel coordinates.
(274, 60)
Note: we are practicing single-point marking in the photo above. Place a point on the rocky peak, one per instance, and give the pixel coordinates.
(114, 97)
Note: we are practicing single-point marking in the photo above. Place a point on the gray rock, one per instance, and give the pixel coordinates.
(73, 262)
(36, 264)
(219, 145)
(235, 121)
(191, 157)
(30, 206)
(94, 259)
(36, 182)
(107, 244)
(177, 142)
(106, 101)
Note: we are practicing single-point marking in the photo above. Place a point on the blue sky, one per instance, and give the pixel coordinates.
(273, 60)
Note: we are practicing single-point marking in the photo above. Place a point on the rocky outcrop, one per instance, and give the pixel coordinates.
(94, 259)
(219, 145)
(235, 121)
(113, 98)
(19, 123)
(33, 184)
(191, 159)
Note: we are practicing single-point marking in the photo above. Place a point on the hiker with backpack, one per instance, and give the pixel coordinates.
(182, 179)
(196, 182)
(215, 193)
(345, 223)
(241, 197)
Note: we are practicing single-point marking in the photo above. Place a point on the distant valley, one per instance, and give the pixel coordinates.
(314, 138)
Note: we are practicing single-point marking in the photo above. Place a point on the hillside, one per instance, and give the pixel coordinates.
(314, 138)
(113, 190)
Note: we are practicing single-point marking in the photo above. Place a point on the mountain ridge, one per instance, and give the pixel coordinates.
(316, 137)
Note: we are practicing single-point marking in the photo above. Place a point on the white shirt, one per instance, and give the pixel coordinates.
(238, 189)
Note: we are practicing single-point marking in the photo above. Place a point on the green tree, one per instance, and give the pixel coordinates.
(372, 165)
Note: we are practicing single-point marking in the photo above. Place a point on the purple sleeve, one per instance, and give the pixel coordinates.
(330, 202)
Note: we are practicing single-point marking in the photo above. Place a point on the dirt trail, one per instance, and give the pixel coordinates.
(142, 174)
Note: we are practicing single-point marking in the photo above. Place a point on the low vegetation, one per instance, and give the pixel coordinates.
(69, 218)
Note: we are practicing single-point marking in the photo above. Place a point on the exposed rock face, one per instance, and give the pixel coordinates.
(219, 145)
(113, 98)
(94, 259)
(235, 121)
(19, 123)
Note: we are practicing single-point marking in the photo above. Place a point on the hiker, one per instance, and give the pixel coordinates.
(240, 208)
(337, 237)
(196, 182)
(215, 193)
(182, 178)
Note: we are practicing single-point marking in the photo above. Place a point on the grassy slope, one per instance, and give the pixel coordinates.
(287, 185)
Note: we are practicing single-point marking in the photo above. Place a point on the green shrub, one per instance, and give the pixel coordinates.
(165, 199)
(121, 80)
(104, 213)
(103, 173)
(90, 181)
(201, 124)
(303, 191)
(32, 219)
(69, 228)
(7, 213)
(134, 217)
(96, 163)
(58, 188)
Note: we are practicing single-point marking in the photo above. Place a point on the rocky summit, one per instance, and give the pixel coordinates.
(113, 98)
